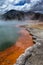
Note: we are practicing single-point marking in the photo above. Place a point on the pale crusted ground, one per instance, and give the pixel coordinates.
(34, 54)
(37, 53)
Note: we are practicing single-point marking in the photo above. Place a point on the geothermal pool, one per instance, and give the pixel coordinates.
(9, 33)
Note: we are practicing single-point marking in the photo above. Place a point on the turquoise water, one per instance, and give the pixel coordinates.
(9, 33)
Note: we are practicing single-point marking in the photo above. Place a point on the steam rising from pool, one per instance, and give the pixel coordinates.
(8, 34)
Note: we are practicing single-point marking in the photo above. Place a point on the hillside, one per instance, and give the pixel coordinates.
(21, 15)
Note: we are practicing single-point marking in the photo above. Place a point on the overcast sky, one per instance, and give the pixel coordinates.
(24, 5)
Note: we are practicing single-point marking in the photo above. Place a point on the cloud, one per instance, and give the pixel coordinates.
(22, 5)
(13, 4)
(11, 0)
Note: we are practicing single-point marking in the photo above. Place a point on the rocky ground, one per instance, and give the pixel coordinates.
(34, 54)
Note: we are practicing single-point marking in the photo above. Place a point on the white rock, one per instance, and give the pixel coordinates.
(21, 59)
(29, 49)
(27, 54)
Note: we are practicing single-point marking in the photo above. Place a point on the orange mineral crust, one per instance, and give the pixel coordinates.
(10, 55)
